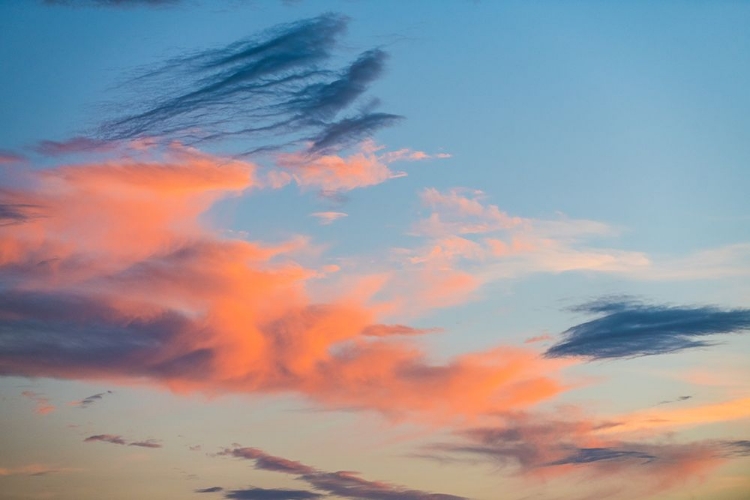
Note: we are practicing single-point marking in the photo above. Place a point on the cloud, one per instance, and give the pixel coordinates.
(388, 330)
(629, 329)
(463, 231)
(343, 484)
(73, 145)
(275, 86)
(327, 218)
(271, 494)
(43, 406)
(88, 401)
(149, 443)
(106, 438)
(264, 461)
(35, 470)
(333, 173)
(541, 447)
(115, 439)
(8, 157)
(212, 489)
(93, 290)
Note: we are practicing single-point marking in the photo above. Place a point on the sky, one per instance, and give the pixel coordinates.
(362, 250)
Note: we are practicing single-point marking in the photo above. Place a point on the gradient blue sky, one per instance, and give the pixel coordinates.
(537, 284)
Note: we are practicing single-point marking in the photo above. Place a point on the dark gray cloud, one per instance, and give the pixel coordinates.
(347, 484)
(49, 334)
(589, 455)
(628, 328)
(16, 213)
(212, 489)
(278, 88)
(739, 448)
(265, 461)
(88, 401)
(115, 439)
(271, 494)
(107, 438)
(149, 443)
(343, 484)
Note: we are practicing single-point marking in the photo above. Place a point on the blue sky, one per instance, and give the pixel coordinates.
(453, 249)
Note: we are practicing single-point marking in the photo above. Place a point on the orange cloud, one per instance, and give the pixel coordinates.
(117, 275)
(673, 418)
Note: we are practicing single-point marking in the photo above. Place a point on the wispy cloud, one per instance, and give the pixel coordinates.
(275, 85)
(34, 470)
(106, 438)
(73, 145)
(628, 328)
(549, 447)
(8, 157)
(327, 218)
(341, 484)
(43, 405)
(334, 173)
(115, 439)
(88, 401)
(271, 494)
(212, 489)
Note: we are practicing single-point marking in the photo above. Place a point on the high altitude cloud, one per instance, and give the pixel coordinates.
(115, 439)
(271, 494)
(341, 484)
(119, 277)
(7, 157)
(596, 449)
(277, 85)
(43, 405)
(628, 328)
(88, 401)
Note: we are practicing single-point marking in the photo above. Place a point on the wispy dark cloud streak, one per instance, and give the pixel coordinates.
(271, 494)
(115, 439)
(342, 484)
(88, 401)
(628, 328)
(278, 86)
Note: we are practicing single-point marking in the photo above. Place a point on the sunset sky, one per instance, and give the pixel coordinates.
(374, 250)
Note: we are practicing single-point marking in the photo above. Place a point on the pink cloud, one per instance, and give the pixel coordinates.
(334, 173)
(123, 262)
(43, 405)
(7, 157)
(326, 218)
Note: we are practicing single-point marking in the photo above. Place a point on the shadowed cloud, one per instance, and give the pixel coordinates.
(277, 86)
(107, 438)
(629, 329)
(212, 489)
(271, 494)
(343, 484)
(88, 401)
(92, 290)
(115, 439)
(537, 446)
